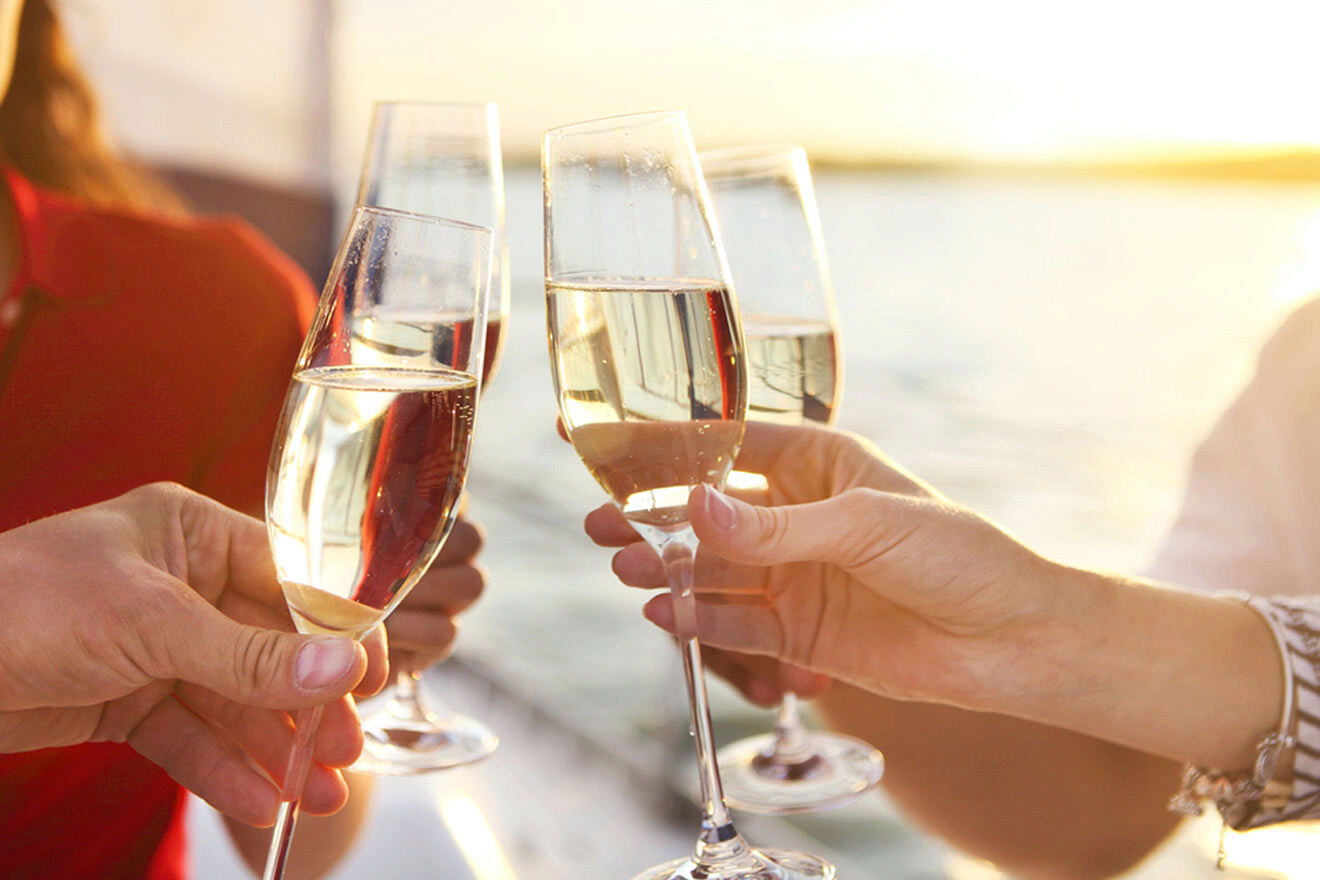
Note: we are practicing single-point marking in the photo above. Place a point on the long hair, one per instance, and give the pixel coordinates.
(50, 125)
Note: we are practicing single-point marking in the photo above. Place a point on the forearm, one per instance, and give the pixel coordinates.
(1183, 675)
(1039, 801)
(321, 841)
(1118, 683)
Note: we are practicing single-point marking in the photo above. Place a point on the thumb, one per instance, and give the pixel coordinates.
(256, 666)
(836, 530)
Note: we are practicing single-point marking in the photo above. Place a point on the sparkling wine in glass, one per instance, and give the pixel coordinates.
(372, 449)
(648, 366)
(771, 233)
(440, 159)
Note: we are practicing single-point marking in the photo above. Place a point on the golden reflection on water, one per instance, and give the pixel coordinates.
(472, 833)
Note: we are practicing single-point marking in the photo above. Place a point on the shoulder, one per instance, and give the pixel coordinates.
(249, 253)
(1294, 344)
(1286, 379)
(198, 256)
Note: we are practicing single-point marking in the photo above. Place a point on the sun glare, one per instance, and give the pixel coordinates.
(1299, 278)
(1286, 852)
(954, 79)
(472, 833)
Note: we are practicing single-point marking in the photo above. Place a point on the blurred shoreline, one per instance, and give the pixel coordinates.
(1173, 166)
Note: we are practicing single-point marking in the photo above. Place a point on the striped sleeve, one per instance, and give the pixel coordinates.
(1294, 795)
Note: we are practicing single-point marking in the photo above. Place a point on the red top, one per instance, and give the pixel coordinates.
(132, 349)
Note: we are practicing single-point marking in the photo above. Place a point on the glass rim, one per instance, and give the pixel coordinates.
(752, 160)
(601, 123)
(431, 219)
(488, 106)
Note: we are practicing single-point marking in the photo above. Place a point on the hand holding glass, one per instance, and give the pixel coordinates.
(646, 355)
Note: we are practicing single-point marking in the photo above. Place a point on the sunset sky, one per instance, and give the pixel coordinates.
(1024, 80)
(861, 80)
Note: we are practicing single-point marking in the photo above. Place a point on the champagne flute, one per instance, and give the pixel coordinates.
(372, 449)
(646, 355)
(441, 159)
(771, 233)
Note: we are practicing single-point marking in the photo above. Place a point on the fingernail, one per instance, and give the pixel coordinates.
(720, 510)
(324, 662)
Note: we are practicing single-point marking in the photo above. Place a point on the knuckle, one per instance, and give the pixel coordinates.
(860, 501)
(420, 631)
(444, 631)
(473, 583)
(464, 542)
(163, 493)
(478, 533)
(870, 529)
(257, 654)
(448, 588)
(775, 525)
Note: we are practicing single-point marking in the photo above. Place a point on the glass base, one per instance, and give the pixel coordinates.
(757, 864)
(395, 744)
(839, 770)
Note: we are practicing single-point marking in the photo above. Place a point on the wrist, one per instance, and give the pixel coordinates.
(1045, 649)
(1186, 675)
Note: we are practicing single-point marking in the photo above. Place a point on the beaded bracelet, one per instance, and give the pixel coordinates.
(1241, 797)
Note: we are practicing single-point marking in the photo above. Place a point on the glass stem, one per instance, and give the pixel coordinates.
(719, 841)
(405, 685)
(791, 745)
(295, 774)
(406, 699)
